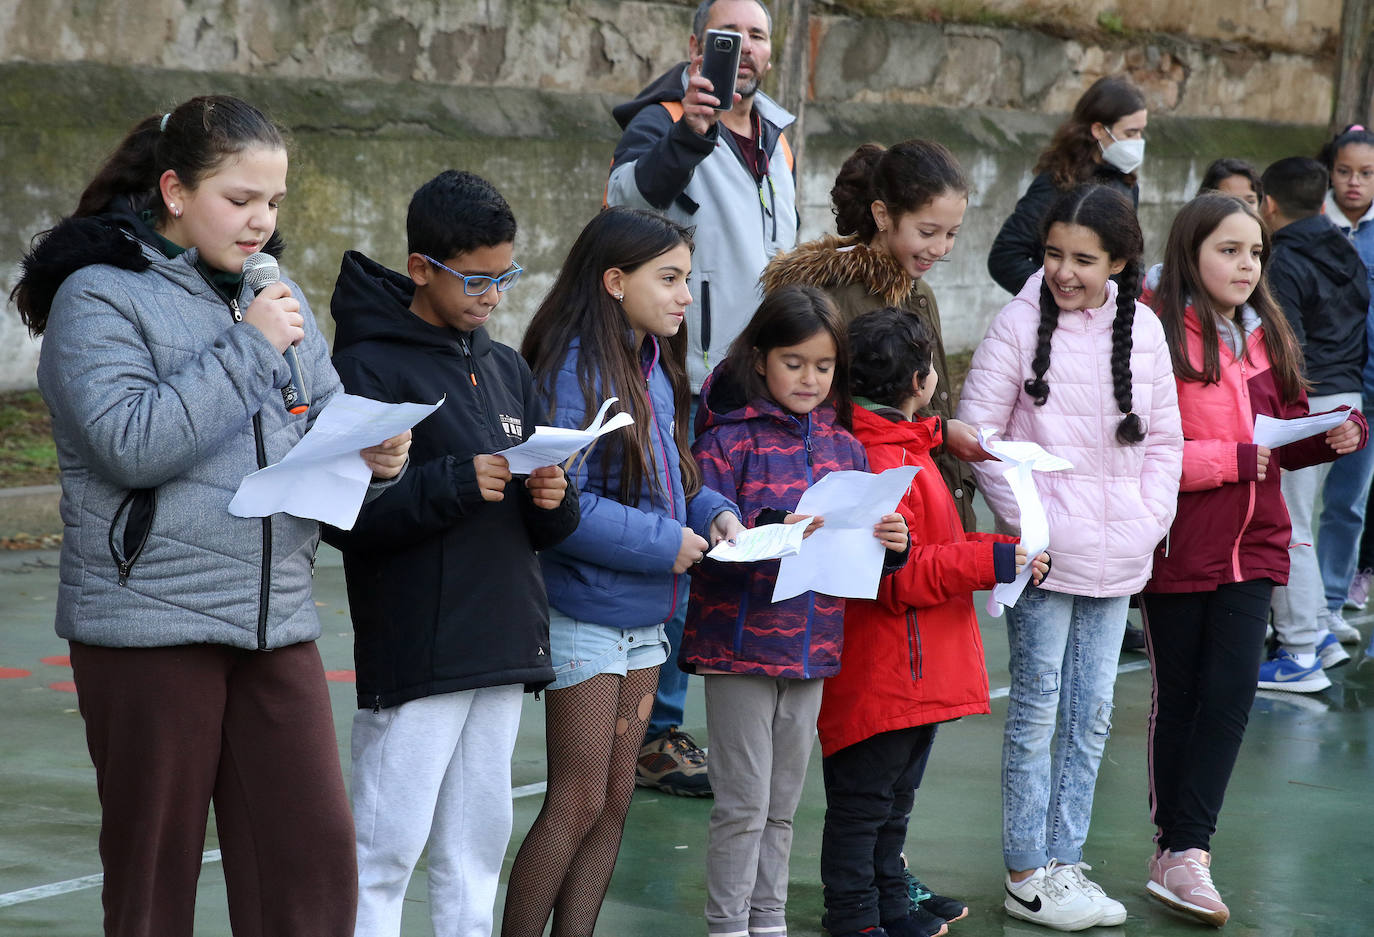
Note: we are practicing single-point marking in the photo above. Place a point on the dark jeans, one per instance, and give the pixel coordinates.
(1205, 650)
(870, 787)
(171, 729)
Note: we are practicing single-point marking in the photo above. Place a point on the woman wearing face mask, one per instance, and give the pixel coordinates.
(1102, 141)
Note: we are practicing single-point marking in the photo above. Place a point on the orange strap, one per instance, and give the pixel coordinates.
(674, 109)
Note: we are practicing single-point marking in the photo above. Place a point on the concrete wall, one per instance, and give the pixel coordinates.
(520, 91)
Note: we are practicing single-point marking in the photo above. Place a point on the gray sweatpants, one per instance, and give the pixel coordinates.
(434, 770)
(761, 731)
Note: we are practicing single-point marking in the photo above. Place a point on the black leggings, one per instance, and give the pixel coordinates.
(1205, 650)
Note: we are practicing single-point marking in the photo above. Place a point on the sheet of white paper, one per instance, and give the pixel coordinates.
(323, 477)
(1022, 460)
(769, 542)
(843, 558)
(1272, 433)
(551, 445)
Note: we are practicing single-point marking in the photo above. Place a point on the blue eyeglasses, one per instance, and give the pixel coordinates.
(479, 283)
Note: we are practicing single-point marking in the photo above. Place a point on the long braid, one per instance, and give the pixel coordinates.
(1038, 387)
(1129, 430)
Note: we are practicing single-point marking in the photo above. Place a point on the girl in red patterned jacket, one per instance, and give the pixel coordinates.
(1207, 603)
(912, 658)
(772, 423)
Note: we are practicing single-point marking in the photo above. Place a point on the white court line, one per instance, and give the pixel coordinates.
(39, 892)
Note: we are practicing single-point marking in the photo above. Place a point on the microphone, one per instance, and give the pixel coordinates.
(260, 271)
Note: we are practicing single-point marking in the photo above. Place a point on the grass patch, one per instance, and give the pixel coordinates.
(27, 453)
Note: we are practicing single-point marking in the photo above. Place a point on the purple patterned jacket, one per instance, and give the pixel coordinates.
(761, 457)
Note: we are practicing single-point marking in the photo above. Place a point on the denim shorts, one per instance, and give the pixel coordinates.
(583, 649)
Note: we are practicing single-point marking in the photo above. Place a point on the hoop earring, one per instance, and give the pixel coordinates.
(176, 212)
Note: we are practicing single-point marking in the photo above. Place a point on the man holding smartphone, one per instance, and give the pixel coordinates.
(712, 158)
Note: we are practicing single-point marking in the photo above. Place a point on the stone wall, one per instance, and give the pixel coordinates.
(378, 100)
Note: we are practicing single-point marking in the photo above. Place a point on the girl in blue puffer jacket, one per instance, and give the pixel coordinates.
(611, 327)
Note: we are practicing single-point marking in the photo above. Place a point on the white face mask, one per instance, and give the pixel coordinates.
(1125, 155)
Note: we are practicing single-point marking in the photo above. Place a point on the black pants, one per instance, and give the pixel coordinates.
(1205, 650)
(869, 789)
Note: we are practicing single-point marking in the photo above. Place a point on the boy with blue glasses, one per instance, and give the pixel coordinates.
(450, 618)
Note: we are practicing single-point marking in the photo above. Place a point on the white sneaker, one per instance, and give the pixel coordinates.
(1113, 911)
(1045, 898)
(1345, 632)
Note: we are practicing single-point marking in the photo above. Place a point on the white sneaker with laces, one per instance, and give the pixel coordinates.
(1071, 875)
(1345, 632)
(1046, 898)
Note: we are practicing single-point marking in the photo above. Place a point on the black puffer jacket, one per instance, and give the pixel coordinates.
(444, 587)
(1321, 283)
(1018, 251)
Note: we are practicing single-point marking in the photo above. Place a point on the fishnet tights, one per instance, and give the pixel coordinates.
(594, 730)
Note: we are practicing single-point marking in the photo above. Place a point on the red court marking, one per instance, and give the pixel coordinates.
(57, 660)
(13, 673)
(63, 686)
(340, 676)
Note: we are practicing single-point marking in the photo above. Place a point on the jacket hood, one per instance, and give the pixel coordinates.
(672, 86)
(831, 262)
(372, 303)
(669, 86)
(724, 401)
(1318, 241)
(874, 429)
(119, 238)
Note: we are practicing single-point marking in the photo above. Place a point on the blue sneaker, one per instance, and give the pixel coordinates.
(1283, 672)
(1330, 654)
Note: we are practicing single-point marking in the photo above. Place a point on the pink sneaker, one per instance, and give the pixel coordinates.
(1183, 880)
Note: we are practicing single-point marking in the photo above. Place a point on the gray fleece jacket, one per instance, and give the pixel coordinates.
(162, 402)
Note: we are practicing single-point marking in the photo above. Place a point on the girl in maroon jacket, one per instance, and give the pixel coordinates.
(912, 658)
(772, 423)
(1207, 603)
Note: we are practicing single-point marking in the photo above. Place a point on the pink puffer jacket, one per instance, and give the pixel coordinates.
(1110, 510)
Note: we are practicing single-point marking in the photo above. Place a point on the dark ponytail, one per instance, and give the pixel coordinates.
(1353, 134)
(193, 140)
(905, 177)
(1106, 212)
(1038, 387)
(1129, 430)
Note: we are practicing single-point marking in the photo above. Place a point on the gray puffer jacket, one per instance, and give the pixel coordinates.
(162, 402)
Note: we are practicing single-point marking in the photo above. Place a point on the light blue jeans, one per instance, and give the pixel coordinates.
(1342, 519)
(1064, 651)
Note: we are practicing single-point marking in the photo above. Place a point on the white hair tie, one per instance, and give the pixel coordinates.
(162, 128)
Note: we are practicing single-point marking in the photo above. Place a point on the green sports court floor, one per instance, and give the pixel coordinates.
(1294, 856)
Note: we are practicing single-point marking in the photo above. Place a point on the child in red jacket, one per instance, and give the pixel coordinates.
(912, 658)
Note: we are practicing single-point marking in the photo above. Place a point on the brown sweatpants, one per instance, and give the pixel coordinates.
(172, 729)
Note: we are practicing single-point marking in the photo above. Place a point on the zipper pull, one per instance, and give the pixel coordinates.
(472, 371)
(376, 705)
(234, 309)
(124, 570)
(808, 449)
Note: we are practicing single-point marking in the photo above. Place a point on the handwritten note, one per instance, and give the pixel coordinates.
(1022, 460)
(769, 542)
(551, 445)
(843, 558)
(323, 477)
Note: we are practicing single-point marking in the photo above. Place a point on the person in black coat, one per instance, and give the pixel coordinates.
(1102, 141)
(1320, 282)
(450, 616)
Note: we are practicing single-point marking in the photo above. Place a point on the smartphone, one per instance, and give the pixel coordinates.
(720, 64)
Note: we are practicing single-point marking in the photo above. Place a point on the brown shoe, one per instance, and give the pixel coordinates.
(673, 763)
